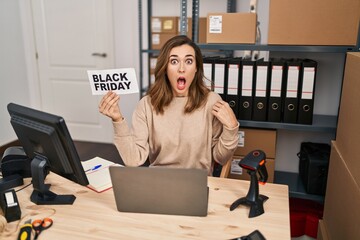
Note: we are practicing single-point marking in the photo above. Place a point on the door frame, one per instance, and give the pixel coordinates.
(30, 51)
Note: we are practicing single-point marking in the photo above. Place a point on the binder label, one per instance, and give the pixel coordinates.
(292, 83)
(261, 79)
(207, 73)
(219, 78)
(215, 25)
(308, 83)
(207, 70)
(276, 81)
(247, 81)
(233, 79)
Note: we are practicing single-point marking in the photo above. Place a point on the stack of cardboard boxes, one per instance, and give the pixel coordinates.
(341, 207)
(215, 28)
(252, 139)
(163, 28)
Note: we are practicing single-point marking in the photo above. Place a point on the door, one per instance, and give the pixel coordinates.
(71, 37)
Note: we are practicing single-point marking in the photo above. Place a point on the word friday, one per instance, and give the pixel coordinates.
(113, 82)
(120, 81)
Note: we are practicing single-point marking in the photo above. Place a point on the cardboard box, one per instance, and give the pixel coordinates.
(201, 29)
(231, 28)
(322, 232)
(159, 39)
(164, 25)
(237, 172)
(256, 139)
(341, 210)
(348, 129)
(308, 22)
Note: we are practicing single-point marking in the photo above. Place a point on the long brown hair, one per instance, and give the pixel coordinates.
(161, 93)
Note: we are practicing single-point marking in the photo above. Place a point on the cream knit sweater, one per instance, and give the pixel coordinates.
(175, 139)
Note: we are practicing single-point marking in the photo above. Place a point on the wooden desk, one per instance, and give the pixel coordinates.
(94, 215)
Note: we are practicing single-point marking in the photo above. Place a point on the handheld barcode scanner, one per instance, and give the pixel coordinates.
(253, 162)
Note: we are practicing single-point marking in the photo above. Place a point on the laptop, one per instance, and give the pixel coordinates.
(159, 190)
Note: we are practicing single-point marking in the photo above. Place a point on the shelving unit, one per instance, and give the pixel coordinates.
(321, 123)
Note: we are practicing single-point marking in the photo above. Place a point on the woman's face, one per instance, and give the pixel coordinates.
(181, 69)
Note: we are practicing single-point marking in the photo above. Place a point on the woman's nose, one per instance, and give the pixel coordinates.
(181, 67)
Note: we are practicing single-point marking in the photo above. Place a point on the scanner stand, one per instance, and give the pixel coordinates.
(252, 199)
(41, 194)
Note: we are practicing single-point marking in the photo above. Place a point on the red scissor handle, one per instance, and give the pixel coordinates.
(39, 224)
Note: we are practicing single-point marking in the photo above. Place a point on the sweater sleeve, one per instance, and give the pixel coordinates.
(132, 144)
(224, 141)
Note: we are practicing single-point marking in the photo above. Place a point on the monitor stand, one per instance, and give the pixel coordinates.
(41, 194)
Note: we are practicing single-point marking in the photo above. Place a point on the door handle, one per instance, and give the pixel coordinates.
(104, 55)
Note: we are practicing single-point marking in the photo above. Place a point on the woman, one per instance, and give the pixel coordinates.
(180, 122)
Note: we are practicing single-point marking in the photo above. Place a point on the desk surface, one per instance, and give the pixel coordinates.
(94, 215)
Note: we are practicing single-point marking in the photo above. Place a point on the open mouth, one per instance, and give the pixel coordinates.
(181, 82)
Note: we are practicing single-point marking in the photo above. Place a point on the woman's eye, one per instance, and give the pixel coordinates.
(173, 61)
(189, 61)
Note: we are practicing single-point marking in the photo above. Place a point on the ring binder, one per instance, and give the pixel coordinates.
(307, 88)
(276, 92)
(261, 77)
(292, 91)
(246, 91)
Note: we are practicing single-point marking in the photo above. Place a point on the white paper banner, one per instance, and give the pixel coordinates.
(120, 81)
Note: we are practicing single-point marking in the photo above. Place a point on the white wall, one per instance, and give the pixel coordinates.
(13, 79)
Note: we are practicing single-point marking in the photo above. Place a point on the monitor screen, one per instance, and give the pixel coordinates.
(47, 141)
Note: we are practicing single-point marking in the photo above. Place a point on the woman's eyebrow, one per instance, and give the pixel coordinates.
(188, 55)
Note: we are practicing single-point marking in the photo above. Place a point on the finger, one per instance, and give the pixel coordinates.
(105, 97)
(107, 101)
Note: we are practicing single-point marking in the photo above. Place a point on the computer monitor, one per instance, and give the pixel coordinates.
(47, 141)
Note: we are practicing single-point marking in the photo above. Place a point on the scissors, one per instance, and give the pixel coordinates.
(41, 225)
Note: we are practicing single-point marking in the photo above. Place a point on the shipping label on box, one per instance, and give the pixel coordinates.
(168, 24)
(235, 168)
(155, 25)
(241, 142)
(215, 24)
(256, 139)
(155, 39)
(164, 24)
(159, 39)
